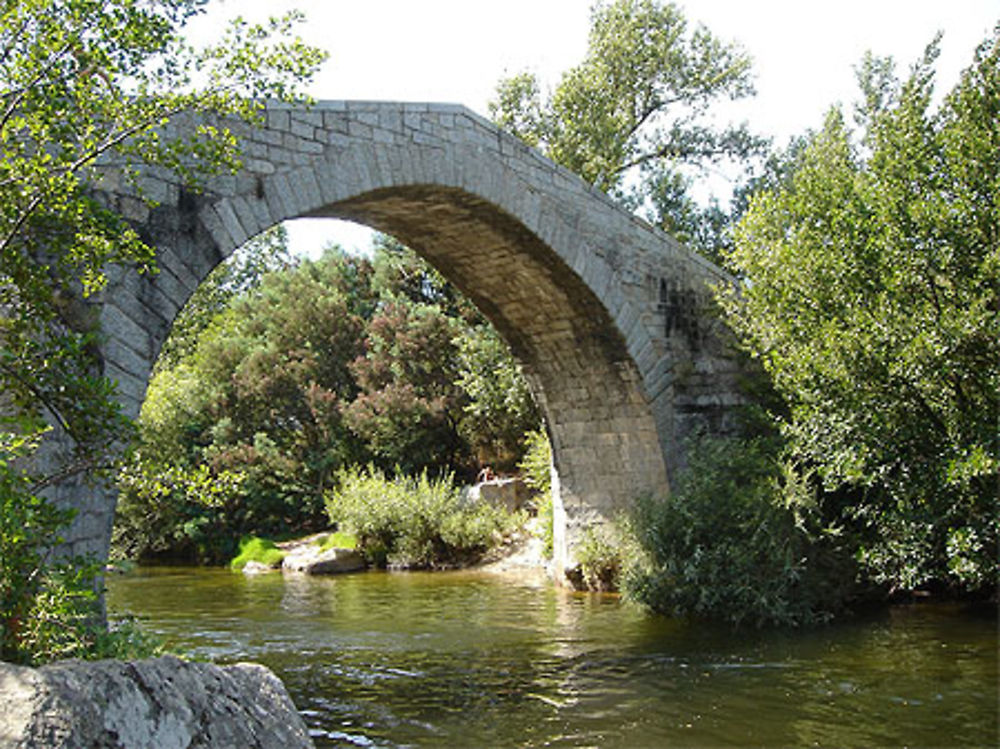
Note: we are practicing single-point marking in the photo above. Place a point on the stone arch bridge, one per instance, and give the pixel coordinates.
(606, 314)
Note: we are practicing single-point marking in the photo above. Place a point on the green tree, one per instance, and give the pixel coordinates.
(401, 275)
(439, 386)
(873, 302)
(499, 411)
(409, 404)
(313, 368)
(82, 83)
(243, 434)
(240, 274)
(633, 117)
(295, 340)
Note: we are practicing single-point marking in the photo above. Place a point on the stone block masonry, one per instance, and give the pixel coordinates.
(608, 316)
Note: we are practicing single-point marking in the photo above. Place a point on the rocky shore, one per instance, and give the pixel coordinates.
(166, 703)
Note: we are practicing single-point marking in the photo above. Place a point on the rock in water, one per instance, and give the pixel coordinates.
(161, 703)
(257, 568)
(311, 560)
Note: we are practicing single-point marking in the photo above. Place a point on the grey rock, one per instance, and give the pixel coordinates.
(257, 568)
(159, 703)
(510, 494)
(311, 561)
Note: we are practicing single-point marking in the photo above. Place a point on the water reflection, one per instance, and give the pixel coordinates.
(466, 659)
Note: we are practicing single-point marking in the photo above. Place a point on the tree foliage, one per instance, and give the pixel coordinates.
(243, 434)
(500, 412)
(47, 606)
(240, 274)
(408, 402)
(314, 368)
(85, 86)
(633, 117)
(439, 387)
(742, 539)
(85, 83)
(872, 301)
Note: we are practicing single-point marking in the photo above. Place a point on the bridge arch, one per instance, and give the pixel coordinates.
(587, 296)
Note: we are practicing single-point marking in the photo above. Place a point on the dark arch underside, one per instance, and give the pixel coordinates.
(574, 357)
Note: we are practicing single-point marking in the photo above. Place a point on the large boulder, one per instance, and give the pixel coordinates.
(510, 494)
(257, 568)
(164, 703)
(312, 560)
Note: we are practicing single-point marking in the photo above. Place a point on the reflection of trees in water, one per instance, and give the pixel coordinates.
(475, 659)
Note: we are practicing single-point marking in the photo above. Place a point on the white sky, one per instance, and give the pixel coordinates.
(456, 50)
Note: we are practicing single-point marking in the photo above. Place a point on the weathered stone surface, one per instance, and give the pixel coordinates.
(160, 703)
(309, 559)
(510, 494)
(610, 318)
(257, 568)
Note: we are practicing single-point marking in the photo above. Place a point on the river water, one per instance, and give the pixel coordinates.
(473, 659)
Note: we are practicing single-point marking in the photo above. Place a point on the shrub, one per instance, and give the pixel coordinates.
(536, 467)
(414, 522)
(179, 511)
(338, 540)
(126, 640)
(48, 610)
(64, 622)
(254, 549)
(741, 540)
(173, 510)
(600, 554)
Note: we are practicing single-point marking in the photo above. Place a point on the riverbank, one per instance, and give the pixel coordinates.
(524, 551)
(333, 552)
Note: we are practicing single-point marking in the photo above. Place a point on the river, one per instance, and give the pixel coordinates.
(473, 659)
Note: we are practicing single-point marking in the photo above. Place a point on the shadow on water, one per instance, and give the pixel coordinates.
(472, 659)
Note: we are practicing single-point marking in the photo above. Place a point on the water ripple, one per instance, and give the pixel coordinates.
(424, 660)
